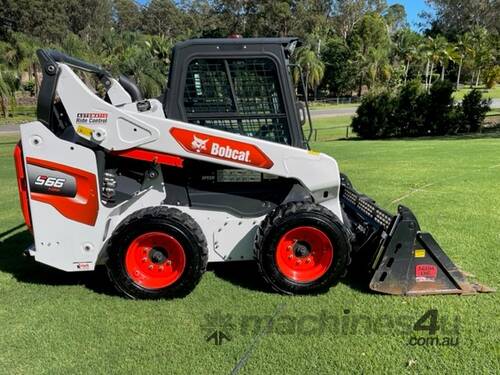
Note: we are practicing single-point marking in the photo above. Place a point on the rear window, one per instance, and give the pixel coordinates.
(237, 95)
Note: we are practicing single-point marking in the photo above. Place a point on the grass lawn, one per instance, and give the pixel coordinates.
(57, 323)
(493, 93)
(324, 105)
(330, 128)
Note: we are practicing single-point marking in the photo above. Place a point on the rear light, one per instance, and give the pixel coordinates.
(22, 185)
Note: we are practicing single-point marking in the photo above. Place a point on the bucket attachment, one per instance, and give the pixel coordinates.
(406, 261)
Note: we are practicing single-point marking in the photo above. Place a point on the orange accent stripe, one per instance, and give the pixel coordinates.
(83, 207)
(155, 157)
(22, 185)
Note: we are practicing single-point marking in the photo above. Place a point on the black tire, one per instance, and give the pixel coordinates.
(278, 224)
(159, 220)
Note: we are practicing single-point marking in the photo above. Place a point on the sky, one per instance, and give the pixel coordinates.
(413, 8)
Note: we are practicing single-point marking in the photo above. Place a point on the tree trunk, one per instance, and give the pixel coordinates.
(306, 88)
(442, 73)
(430, 75)
(477, 77)
(459, 72)
(5, 106)
(407, 69)
(37, 82)
(427, 74)
(472, 79)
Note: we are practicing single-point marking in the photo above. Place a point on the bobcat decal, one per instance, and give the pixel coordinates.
(199, 144)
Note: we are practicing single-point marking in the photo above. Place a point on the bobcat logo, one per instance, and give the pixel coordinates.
(199, 144)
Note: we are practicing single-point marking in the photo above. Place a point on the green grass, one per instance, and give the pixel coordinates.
(57, 323)
(323, 105)
(493, 93)
(329, 128)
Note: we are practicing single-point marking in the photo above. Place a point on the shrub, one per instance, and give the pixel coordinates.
(440, 118)
(409, 113)
(375, 116)
(29, 86)
(473, 111)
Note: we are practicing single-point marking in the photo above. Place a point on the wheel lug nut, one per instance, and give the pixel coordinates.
(136, 273)
(160, 268)
(298, 263)
(308, 260)
(169, 262)
(150, 267)
(289, 248)
(144, 260)
(290, 256)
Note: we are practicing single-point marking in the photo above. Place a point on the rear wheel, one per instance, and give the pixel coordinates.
(301, 248)
(157, 253)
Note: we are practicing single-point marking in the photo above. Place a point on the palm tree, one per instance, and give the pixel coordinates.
(8, 83)
(407, 47)
(22, 56)
(434, 50)
(463, 50)
(377, 65)
(312, 67)
(448, 53)
(481, 51)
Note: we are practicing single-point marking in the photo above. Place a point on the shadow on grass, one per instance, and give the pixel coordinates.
(244, 274)
(460, 137)
(27, 270)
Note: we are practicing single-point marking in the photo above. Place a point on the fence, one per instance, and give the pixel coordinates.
(337, 100)
(332, 133)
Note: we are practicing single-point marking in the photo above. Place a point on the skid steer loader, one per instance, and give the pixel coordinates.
(216, 170)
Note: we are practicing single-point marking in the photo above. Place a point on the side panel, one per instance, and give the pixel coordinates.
(65, 218)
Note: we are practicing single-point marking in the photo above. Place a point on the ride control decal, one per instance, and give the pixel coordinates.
(425, 272)
(91, 118)
(221, 148)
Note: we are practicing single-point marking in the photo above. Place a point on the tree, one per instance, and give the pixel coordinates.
(481, 52)
(454, 17)
(463, 48)
(163, 17)
(370, 34)
(127, 14)
(406, 47)
(311, 66)
(395, 17)
(339, 77)
(21, 56)
(436, 50)
(347, 13)
(8, 87)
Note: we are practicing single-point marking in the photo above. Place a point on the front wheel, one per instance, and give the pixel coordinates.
(302, 248)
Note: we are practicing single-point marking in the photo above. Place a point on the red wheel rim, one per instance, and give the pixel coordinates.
(304, 254)
(155, 260)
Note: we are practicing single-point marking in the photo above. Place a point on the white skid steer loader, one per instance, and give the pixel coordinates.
(216, 170)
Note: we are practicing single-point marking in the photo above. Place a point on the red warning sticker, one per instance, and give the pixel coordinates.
(425, 272)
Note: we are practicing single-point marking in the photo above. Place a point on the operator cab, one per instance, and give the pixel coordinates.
(237, 85)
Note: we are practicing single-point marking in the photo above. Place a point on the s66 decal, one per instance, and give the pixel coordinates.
(221, 148)
(48, 181)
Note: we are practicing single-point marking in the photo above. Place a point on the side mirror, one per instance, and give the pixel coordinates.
(301, 108)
